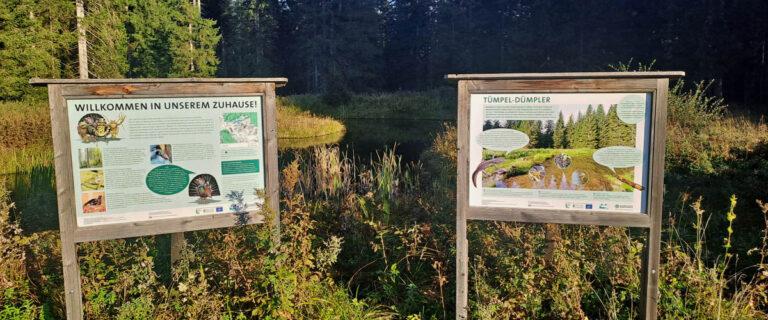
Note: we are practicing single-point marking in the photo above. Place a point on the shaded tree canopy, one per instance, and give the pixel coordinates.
(367, 45)
(375, 45)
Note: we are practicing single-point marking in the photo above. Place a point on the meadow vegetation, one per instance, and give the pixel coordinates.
(26, 125)
(436, 104)
(375, 238)
(25, 141)
(294, 122)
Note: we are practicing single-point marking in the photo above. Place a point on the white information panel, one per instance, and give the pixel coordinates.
(159, 158)
(577, 151)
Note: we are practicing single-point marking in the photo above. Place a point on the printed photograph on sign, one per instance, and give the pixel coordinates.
(584, 151)
(140, 159)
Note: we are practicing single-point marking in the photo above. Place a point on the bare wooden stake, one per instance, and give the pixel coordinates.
(462, 203)
(65, 198)
(177, 244)
(651, 260)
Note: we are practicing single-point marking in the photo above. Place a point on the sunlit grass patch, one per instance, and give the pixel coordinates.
(295, 123)
(24, 159)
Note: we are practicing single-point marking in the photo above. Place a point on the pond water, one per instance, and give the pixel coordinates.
(34, 192)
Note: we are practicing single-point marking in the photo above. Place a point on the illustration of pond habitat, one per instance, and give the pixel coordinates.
(559, 154)
(540, 169)
(239, 127)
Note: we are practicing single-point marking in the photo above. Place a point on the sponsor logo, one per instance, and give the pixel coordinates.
(589, 206)
(568, 205)
(603, 206)
(219, 209)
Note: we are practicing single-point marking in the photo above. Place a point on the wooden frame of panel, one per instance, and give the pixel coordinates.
(654, 83)
(60, 90)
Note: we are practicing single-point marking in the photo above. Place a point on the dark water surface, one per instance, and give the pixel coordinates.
(34, 193)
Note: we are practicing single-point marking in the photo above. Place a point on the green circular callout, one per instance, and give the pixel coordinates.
(618, 157)
(503, 139)
(168, 179)
(631, 109)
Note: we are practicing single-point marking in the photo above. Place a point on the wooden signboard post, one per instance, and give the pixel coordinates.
(137, 157)
(616, 180)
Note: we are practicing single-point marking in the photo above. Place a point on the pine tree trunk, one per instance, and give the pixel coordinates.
(195, 3)
(82, 45)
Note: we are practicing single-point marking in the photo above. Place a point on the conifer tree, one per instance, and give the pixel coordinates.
(600, 124)
(249, 38)
(36, 40)
(534, 133)
(588, 132)
(559, 139)
(193, 41)
(107, 38)
(569, 131)
(615, 131)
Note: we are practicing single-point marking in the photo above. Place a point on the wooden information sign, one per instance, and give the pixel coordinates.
(137, 157)
(565, 148)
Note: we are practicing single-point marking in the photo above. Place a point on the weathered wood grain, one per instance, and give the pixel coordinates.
(655, 83)
(177, 245)
(65, 198)
(164, 226)
(462, 202)
(650, 272)
(563, 85)
(270, 154)
(62, 89)
(278, 81)
(567, 75)
(138, 90)
(583, 217)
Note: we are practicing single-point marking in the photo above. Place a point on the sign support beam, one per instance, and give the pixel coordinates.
(62, 90)
(655, 84)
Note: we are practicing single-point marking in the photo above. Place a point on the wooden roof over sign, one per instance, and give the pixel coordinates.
(278, 81)
(566, 75)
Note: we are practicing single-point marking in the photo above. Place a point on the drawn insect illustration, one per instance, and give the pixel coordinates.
(114, 126)
(204, 186)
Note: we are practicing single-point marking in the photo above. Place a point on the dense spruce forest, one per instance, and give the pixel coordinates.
(593, 129)
(337, 46)
(367, 139)
(373, 45)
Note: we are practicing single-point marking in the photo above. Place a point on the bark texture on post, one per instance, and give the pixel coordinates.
(82, 44)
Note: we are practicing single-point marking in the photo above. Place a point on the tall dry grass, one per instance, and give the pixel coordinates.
(25, 136)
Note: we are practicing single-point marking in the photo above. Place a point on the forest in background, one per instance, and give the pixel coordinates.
(593, 129)
(338, 47)
(374, 45)
(374, 240)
